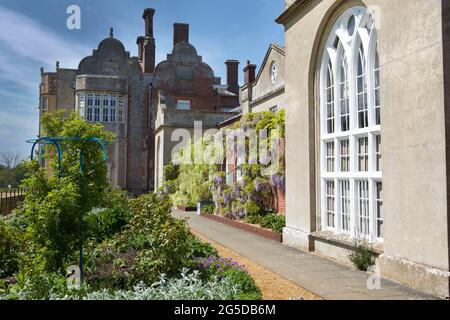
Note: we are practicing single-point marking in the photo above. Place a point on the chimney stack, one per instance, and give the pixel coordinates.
(147, 54)
(249, 73)
(232, 76)
(180, 33)
(148, 17)
(140, 43)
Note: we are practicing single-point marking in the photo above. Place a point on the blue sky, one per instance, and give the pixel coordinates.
(33, 33)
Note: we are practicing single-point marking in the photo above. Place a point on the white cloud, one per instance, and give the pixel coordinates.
(29, 39)
(25, 45)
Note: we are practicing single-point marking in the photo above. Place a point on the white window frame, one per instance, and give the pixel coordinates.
(102, 107)
(344, 45)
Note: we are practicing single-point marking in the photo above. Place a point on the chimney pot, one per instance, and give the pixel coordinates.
(249, 73)
(140, 43)
(180, 33)
(233, 75)
(148, 17)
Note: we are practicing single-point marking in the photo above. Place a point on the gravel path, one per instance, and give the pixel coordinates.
(273, 286)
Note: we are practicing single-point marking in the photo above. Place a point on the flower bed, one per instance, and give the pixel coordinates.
(266, 233)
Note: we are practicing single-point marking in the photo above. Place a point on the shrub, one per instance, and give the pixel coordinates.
(103, 223)
(199, 249)
(271, 221)
(252, 208)
(274, 222)
(209, 208)
(40, 286)
(362, 256)
(213, 267)
(189, 286)
(152, 243)
(9, 248)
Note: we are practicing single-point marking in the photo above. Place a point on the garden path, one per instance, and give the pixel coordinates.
(321, 276)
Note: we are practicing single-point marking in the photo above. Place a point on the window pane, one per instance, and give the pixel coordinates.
(345, 156)
(97, 100)
(89, 114)
(113, 115)
(363, 154)
(90, 100)
(379, 209)
(184, 104)
(97, 114)
(378, 152)
(344, 187)
(330, 156)
(363, 207)
(105, 114)
(330, 204)
(105, 100)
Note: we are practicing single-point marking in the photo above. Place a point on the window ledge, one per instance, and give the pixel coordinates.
(344, 240)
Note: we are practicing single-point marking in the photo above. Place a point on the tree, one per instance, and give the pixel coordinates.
(10, 160)
(54, 211)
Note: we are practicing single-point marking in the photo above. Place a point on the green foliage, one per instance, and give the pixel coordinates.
(274, 222)
(102, 223)
(223, 268)
(10, 246)
(40, 286)
(208, 208)
(199, 249)
(152, 243)
(193, 185)
(53, 218)
(92, 181)
(252, 208)
(269, 221)
(362, 256)
(189, 286)
(248, 290)
(12, 176)
(53, 212)
(171, 172)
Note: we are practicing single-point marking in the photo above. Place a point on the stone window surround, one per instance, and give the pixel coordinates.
(116, 104)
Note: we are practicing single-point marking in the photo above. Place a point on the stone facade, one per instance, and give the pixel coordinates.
(412, 47)
(266, 91)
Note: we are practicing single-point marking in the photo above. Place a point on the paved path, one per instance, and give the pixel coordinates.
(321, 276)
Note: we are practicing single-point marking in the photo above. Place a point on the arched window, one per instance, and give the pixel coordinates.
(351, 171)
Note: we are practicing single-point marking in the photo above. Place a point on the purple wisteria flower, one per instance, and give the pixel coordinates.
(219, 264)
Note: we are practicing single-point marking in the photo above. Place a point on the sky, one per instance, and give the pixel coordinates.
(33, 34)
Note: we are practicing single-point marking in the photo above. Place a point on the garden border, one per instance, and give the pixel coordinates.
(266, 233)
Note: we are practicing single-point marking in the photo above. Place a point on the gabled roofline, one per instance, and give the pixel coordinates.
(272, 46)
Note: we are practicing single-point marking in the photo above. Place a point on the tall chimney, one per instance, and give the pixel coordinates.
(148, 17)
(232, 76)
(249, 73)
(140, 43)
(148, 44)
(180, 33)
